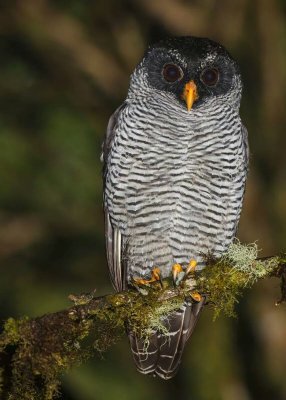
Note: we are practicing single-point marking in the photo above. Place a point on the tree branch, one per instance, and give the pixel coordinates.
(35, 352)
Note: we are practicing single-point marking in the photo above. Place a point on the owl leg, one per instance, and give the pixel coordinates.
(191, 268)
(155, 276)
(180, 275)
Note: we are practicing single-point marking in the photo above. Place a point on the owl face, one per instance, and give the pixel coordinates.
(193, 70)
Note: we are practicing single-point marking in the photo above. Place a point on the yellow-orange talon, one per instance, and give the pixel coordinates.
(155, 276)
(196, 296)
(191, 267)
(176, 269)
(139, 281)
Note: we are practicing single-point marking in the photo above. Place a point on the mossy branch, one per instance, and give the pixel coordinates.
(35, 352)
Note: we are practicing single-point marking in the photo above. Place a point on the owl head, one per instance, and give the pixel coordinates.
(188, 71)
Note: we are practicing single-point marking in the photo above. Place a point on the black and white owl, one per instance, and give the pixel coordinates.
(175, 165)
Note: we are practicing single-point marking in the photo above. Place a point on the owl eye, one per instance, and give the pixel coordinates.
(210, 76)
(172, 73)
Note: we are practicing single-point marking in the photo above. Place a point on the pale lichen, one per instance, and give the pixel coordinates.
(157, 319)
(244, 259)
(224, 279)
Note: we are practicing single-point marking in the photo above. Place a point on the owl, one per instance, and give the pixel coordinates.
(175, 164)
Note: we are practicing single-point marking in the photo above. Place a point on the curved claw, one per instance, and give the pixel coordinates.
(155, 276)
(196, 296)
(177, 271)
(191, 267)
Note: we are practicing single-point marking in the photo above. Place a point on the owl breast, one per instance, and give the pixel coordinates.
(175, 189)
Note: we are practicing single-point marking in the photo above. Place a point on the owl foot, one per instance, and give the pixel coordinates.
(179, 274)
(155, 276)
(191, 268)
(196, 296)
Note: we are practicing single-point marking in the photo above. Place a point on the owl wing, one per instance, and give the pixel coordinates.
(245, 145)
(113, 237)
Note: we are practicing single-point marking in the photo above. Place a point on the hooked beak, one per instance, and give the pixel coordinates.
(190, 94)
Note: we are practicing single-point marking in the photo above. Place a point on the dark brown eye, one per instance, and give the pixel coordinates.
(172, 73)
(210, 76)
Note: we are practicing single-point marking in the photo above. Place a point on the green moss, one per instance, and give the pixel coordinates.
(44, 349)
(149, 316)
(223, 286)
(223, 280)
(11, 334)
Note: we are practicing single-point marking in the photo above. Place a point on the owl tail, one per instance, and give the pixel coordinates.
(162, 353)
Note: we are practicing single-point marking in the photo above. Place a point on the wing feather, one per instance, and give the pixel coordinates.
(113, 237)
(245, 145)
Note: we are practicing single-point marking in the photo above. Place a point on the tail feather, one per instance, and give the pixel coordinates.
(145, 357)
(162, 356)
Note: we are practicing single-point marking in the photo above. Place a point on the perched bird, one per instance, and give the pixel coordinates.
(175, 163)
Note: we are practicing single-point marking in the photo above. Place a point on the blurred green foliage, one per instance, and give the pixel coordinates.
(64, 68)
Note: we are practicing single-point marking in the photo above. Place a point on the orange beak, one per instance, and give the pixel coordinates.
(190, 94)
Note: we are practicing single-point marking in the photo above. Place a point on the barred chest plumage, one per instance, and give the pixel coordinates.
(175, 185)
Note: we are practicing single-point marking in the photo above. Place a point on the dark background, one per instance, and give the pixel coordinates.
(64, 68)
